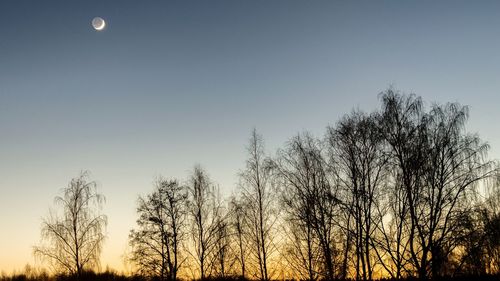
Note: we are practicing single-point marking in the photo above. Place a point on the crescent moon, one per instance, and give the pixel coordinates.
(98, 24)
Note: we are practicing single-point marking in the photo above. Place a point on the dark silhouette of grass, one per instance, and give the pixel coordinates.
(113, 276)
(86, 276)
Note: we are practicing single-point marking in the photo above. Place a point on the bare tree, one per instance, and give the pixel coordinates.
(301, 170)
(438, 166)
(74, 237)
(257, 192)
(204, 220)
(357, 145)
(403, 127)
(156, 244)
(455, 164)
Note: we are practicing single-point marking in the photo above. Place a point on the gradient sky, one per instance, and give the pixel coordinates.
(170, 84)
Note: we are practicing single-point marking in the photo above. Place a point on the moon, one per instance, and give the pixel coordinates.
(98, 23)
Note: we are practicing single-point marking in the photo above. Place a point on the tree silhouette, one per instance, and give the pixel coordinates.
(261, 215)
(357, 145)
(203, 214)
(301, 171)
(73, 236)
(156, 244)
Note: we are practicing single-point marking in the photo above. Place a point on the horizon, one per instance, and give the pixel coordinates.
(167, 85)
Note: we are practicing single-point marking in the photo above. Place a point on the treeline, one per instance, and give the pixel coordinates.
(401, 192)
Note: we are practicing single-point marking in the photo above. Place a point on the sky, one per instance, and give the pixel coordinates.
(169, 84)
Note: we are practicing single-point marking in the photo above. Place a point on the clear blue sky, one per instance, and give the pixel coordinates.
(170, 84)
